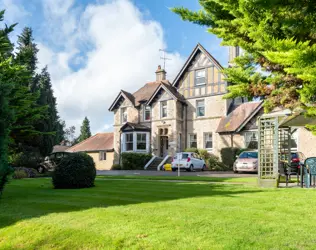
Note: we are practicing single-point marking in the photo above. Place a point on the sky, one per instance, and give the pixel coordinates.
(95, 48)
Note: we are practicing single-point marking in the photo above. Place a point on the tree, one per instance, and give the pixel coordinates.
(8, 74)
(70, 135)
(85, 132)
(278, 38)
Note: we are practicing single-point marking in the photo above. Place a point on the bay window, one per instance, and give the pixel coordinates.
(129, 142)
(135, 142)
(141, 141)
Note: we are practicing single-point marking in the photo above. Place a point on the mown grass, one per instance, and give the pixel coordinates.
(136, 214)
(183, 178)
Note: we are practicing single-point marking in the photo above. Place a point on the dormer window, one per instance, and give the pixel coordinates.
(200, 78)
(147, 113)
(123, 115)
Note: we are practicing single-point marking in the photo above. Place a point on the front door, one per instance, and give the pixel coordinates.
(163, 146)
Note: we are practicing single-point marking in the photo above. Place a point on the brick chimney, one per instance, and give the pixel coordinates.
(160, 74)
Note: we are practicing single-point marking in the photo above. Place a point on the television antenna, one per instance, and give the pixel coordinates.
(164, 58)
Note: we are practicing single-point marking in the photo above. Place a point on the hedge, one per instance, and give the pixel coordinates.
(132, 161)
(228, 156)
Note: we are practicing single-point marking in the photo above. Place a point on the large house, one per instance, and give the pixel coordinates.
(166, 117)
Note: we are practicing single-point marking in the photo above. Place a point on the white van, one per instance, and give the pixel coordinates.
(188, 161)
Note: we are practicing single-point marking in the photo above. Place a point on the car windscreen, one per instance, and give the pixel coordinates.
(245, 155)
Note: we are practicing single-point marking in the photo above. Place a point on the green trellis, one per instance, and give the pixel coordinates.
(274, 147)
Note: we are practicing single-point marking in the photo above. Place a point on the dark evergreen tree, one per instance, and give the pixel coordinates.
(85, 132)
(277, 37)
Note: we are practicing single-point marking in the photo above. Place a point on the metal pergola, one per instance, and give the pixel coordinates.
(275, 143)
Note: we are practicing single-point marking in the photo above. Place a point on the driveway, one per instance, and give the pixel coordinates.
(168, 173)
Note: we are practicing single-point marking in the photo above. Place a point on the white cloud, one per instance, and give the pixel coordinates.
(119, 48)
(14, 12)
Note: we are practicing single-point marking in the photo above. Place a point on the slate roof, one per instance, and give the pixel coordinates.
(98, 142)
(145, 92)
(238, 117)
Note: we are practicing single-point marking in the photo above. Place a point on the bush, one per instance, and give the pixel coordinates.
(28, 173)
(19, 174)
(215, 164)
(192, 150)
(75, 171)
(132, 161)
(116, 167)
(28, 159)
(229, 156)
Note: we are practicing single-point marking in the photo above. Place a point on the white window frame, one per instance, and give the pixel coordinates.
(199, 106)
(143, 141)
(132, 141)
(193, 140)
(200, 77)
(146, 109)
(211, 140)
(123, 111)
(163, 104)
(102, 155)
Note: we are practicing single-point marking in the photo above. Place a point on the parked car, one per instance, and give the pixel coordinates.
(188, 161)
(50, 161)
(297, 160)
(247, 161)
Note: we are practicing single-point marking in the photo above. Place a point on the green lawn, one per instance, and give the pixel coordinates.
(184, 178)
(137, 214)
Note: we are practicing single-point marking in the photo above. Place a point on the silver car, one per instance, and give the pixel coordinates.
(247, 161)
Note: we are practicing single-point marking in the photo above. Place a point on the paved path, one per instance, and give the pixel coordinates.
(168, 173)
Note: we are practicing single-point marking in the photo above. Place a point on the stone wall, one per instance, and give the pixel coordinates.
(306, 142)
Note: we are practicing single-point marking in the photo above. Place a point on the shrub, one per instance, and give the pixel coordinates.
(19, 174)
(116, 167)
(192, 150)
(229, 156)
(215, 164)
(28, 159)
(28, 172)
(132, 161)
(75, 171)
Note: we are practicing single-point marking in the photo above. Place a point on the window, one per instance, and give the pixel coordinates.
(123, 115)
(129, 142)
(141, 142)
(147, 113)
(192, 141)
(163, 109)
(200, 108)
(208, 141)
(102, 156)
(200, 77)
(251, 139)
(246, 155)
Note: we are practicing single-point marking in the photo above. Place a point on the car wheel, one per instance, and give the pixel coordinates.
(203, 168)
(235, 171)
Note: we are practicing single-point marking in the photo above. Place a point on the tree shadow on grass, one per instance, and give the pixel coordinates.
(31, 198)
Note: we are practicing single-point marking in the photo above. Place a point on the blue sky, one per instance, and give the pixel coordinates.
(94, 48)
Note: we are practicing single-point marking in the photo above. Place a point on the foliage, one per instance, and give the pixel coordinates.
(20, 173)
(192, 150)
(116, 167)
(228, 156)
(279, 44)
(77, 170)
(131, 161)
(85, 132)
(8, 74)
(215, 164)
(27, 158)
